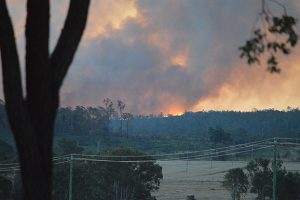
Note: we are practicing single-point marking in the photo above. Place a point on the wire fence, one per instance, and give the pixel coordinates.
(185, 172)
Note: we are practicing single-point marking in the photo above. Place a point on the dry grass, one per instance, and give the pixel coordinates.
(199, 178)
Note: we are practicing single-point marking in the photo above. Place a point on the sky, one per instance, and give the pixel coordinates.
(169, 56)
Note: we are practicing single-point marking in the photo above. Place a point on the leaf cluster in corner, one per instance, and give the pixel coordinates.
(284, 27)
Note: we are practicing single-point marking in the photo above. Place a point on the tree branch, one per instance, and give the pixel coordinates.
(69, 39)
(12, 84)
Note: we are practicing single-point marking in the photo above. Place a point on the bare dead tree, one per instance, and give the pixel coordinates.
(121, 106)
(127, 117)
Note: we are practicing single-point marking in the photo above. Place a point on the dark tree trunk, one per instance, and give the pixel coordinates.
(32, 118)
(36, 174)
(35, 155)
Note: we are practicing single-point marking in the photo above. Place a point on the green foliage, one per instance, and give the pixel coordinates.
(67, 146)
(109, 180)
(82, 120)
(219, 136)
(142, 178)
(263, 123)
(156, 135)
(260, 177)
(261, 174)
(288, 186)
(236, 181)
(243, 126)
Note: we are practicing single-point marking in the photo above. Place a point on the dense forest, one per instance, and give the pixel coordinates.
(268, 122)
(99, 130)
(85, 121)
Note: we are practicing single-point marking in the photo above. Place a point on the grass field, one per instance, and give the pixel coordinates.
(200, 178)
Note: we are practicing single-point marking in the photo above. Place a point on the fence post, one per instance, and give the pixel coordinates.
(71, 177)
(274, 169)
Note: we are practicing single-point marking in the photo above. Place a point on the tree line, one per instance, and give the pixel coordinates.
(84, 120)
(111, 119)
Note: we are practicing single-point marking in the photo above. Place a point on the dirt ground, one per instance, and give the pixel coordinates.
(202, 179)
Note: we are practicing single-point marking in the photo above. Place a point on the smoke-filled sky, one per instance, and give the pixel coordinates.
(170, 56)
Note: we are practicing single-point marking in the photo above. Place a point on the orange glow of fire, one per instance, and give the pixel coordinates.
(249, 88)
(174, 111)
(180, 60)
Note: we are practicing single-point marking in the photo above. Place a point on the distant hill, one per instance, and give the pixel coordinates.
(94, 121)
(265, 122)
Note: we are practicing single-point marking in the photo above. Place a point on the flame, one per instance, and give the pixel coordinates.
(175, 110)
(171, 104)
(253, 88)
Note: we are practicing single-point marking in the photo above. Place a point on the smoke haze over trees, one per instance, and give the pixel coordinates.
(96, 121)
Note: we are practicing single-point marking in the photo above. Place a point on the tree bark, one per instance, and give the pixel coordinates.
(32, 118)
(36, 172)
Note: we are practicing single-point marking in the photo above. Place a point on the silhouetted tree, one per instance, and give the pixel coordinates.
(190, 197)
(32, 117)
(261, 174)
(109, 108)
(218, 135)
(260, 178)
(67, 146)
(121, 106)
(288, 185)
(127, 117)
(275, 34)
(236, 181)
(109, 180)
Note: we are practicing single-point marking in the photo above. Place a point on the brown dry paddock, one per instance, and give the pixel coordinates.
(200, 178)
